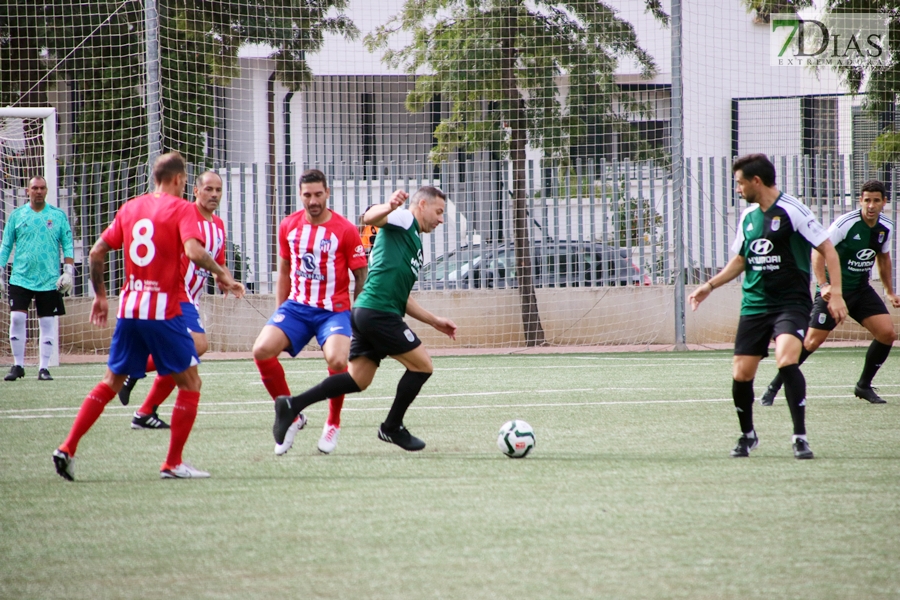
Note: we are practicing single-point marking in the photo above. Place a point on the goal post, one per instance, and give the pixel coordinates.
(48, 138)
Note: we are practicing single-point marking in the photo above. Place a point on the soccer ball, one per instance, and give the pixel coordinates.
(516, 439)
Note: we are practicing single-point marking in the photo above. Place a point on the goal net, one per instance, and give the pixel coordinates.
(585, 148)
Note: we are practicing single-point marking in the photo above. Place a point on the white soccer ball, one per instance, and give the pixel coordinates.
(516, 439)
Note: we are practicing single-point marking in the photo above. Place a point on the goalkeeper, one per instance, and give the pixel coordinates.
(38, 231)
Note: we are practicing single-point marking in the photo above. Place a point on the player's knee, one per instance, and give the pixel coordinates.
(261, 352)
(337, 365)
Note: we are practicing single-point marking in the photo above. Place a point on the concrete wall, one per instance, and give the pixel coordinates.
(486, 319)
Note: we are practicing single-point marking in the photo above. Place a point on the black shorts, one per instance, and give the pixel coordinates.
(861, 304)
(48, 304)
(756, 331)
(377, 334)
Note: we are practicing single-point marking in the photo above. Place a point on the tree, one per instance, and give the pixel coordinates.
(98, 48)
(880, 83)
(498, 64)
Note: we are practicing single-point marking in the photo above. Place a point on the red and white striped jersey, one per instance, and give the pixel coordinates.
(320, 256)
(213, 238)
(152, 230)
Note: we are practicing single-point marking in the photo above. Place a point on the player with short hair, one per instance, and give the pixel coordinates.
(153, 230)
(38, 231)
(862, 238)
(207, 194)
(377, 319)
(775, 236)
(317, 249)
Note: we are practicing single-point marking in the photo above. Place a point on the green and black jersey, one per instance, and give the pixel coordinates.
(776, 246)
(857, 245)
(393, 265)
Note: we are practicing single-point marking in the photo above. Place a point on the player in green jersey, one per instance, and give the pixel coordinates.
(39, 231)
(862, 239)
(772, 249)
(377, 317)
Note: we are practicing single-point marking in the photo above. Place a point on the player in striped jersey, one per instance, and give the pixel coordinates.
(207, 194)
(775, 237)
(862, 239)
(317, 249)
(153, 231)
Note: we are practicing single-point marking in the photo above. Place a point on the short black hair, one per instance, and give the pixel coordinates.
(314, 176)
(756, 165)
(873, 185)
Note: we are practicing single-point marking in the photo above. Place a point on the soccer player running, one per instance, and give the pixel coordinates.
(317, 247)
(862, 239)
(377, 317)
(153, 230)
(772, 248)
(207, 194)
(38, 231)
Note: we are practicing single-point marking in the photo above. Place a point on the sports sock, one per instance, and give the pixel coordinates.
(159, 391)
(742, 392)
(45, 326)
(778, 381)
(407, 390)
(17, 335)
(875, 357)
(272, 374)
(795, 393)
(90, 411)
(335, 404)
(151, 366)
(331, 387)
(184, 413)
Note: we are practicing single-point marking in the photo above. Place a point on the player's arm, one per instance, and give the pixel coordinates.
(836, 305)
(283, 281)
(818, 269)
(6, 244)
(734, 268)
(883, 261)
(97, 264)
(377, 215)
(359, 277)
(415, 310)
(198, 255)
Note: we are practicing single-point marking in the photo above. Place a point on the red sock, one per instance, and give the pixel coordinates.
(273, 377)
(159, 391)
(151, 366)
(90, 411)
(183, 415)
(335, 404)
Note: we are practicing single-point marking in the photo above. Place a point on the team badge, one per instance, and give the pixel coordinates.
(822, 318)
(325, 246)
(278, 318)
(775, 224)
(409, 335)
(880, 237)
(50, 224)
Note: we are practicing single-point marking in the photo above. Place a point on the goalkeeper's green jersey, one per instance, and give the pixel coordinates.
(393, 265)
(37, 238)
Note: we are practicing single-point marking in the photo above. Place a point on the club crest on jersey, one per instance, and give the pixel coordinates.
(775, 224)
(50, 225)
(880, 237)
(325, 246)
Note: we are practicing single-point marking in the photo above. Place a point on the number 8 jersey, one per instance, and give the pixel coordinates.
(152, 229)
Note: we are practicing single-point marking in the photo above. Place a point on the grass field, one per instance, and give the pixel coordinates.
(630, 492)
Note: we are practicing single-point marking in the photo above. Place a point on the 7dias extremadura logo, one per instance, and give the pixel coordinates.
(847, 39)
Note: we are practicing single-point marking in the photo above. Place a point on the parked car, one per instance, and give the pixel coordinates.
(554, 264)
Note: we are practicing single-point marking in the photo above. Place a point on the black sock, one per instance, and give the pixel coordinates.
(875, 357)
(407, 390)
(742, 392)
(795, 393)
(330, 387)
(778, 381)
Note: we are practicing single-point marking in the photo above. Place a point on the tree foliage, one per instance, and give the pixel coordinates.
(98, 49)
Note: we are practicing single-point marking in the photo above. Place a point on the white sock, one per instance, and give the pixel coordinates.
(17, 321)
(799, 437)
(46, 328)
(750, 435)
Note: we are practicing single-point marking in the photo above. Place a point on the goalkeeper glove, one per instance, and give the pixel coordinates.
(66, 280)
